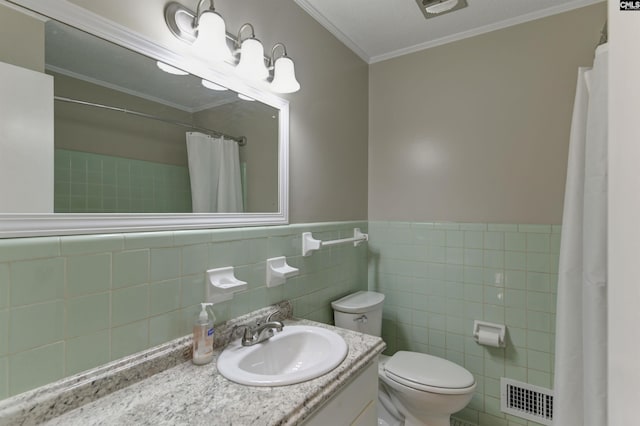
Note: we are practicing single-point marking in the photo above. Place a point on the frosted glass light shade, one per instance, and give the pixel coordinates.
(213, 86)
(170, 69)
(211, 42)
(284, 76)
(251, 65)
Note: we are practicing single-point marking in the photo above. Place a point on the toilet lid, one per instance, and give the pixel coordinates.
(359, 302)
(417, 370)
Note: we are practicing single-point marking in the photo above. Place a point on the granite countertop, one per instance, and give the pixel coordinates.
(187, 394)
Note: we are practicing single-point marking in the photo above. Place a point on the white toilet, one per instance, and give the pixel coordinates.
(414, 388)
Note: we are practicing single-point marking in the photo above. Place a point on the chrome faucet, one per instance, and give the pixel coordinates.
(260, 332)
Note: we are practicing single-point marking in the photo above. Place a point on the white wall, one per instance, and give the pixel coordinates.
(624, 215)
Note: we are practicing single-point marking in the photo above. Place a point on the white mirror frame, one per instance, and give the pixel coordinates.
(29, 225)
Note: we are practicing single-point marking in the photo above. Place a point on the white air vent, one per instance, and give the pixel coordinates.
(526, 401)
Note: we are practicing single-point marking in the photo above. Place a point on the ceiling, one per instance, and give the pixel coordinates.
(377, 30)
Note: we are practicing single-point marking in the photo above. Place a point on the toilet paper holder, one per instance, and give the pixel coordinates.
(489, 334)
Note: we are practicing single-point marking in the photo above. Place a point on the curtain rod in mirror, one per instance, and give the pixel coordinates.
(242, 140)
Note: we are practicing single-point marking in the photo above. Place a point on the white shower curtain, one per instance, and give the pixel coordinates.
(214, 170)
(580, 380)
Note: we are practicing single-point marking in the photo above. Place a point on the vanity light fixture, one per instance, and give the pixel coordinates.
(211, 34)
(284, 75)
(206, 32)
(251, 64)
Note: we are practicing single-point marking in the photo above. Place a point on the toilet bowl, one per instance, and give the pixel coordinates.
(415, 389)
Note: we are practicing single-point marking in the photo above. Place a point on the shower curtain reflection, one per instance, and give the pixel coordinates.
(214, 169)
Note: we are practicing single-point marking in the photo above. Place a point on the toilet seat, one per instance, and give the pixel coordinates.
(428, 373)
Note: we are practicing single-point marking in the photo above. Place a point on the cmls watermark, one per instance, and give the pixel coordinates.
(629, 5)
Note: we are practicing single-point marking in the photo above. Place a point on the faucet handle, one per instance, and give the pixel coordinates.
(273, 314)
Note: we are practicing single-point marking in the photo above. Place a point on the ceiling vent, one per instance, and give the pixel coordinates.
(433, 8)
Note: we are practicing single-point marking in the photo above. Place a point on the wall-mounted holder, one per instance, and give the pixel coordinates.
(222, 284)
(489, 334)
(278, 271)
(310, 244)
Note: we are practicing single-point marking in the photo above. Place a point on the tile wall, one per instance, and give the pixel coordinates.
(71, 303)
(439, 277)
(94, 183)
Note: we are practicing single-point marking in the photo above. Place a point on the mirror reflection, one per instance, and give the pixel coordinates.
(136, 136)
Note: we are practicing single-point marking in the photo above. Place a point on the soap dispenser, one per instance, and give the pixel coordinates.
(203, 337)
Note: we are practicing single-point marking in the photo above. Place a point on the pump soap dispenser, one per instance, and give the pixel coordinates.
(203, 337)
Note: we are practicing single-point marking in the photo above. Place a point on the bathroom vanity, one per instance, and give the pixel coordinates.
(179, 393)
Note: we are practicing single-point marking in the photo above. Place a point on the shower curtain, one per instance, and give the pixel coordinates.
(580, 379)
(214, 170)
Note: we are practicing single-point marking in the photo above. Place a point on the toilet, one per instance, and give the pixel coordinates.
(415, 389)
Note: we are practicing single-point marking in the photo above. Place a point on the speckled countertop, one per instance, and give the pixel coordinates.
(186, 394)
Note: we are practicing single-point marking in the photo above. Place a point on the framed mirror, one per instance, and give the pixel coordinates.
(149, 139)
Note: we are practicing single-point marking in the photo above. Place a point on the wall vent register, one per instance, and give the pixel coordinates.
(526, 401)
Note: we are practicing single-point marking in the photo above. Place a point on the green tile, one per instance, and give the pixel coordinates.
(4, 377)
(129, 304)
(493, 313)
(515, 279)
(540, 302)
(165, 263)
(183, 238)
(455, 238)
(143, 240)
(473, 226)
(473, 239)
(538, 243)
(130, 268)
(85, 244)
(555, 243)
(515, 260)
(515, 317)
(87, 352)
(501, 227)
(88, 274)
(4, 285)
(36, 325)
(164, 296)
(540, 321)
(28, 248)
(515, 298)
(129, 339)
(538, 281)
(515, 241)
(87, 314)
(537, 360)
(37, 367)
(538, 262)
(37, 281)
(493, 295)
(493, 259)
(454, 256)
(494, 240)
(192, 290)
(4, 332)
(539, 378)
(540, 229)
(195, 259)
(539, 341)
(473, 257)
(166, 327)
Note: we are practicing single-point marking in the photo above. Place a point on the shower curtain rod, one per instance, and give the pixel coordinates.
(242, 140)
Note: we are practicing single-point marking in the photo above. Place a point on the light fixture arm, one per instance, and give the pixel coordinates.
(239, 38)
(199, 11)
(272, 59)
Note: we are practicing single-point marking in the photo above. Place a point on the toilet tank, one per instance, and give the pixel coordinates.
(360, 311)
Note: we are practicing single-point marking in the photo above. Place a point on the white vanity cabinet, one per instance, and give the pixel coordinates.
(355, 404)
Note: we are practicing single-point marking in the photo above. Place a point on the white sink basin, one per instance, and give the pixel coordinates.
(296, 354)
